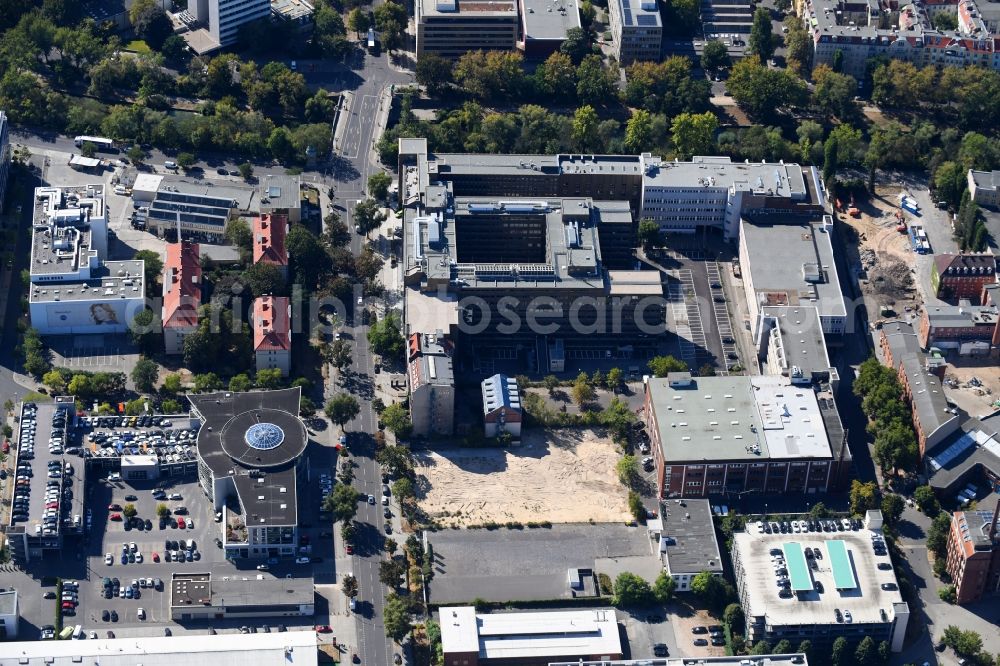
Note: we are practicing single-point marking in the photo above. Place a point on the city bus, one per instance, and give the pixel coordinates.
(371, 39)
(100, 142)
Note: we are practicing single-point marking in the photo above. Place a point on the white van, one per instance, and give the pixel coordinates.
(78, 632)
(120, 190)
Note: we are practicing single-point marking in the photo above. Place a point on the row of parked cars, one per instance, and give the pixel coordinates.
(806, 526)
(125, 421)
(715, 635)
(170, 446)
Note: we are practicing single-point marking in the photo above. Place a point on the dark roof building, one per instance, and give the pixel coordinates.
(974, 554)
(687, 541)
(957, 276)
(250, 458)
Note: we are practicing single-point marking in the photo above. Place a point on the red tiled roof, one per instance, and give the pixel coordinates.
(181, 285)
(272, 324)
(269, 239)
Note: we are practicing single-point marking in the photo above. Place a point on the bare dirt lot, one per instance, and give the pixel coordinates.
(977, 397)
(561, 476)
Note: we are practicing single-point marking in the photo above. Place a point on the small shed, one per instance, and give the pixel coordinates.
(501, 406)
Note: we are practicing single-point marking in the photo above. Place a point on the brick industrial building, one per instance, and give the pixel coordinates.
(974, 554)
(713, 435)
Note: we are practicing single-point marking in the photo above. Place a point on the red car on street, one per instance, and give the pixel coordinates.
(323, 629)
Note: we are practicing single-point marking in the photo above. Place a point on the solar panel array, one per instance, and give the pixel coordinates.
(627, 12)
(960, 446)
(646, 20)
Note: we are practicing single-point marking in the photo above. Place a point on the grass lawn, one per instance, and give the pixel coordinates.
(138, 46)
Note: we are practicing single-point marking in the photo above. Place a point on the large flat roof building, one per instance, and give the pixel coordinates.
(544, 24)
(469, 638)
(199, 210)
(250, 459)
(790, 342)
(451, 28)
(712, 435)
(688, 544)
(281, 195)
(865, 597)
(790, 261)
(202, 596)
(293, 648)
(984, 186)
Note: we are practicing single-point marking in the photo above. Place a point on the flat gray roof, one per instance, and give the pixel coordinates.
(777, 179)
(737, 418)
(444, 9)
(961, 316)
(110, 280)
(62, 240)
(8, 602)
(901, 340)
(800, 337)
(239, 590)
(786, 254)
(738, 660)
(688, 540)
(986, 179)
(752, 548)
(281, 191)
(292, 9)
(549, 19)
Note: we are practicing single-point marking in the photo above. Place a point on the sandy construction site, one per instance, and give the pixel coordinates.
(561, 476)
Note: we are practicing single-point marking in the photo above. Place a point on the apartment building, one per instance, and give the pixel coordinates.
(984, 187)
(962, 276)
(636, 30)
(715, 435)
(181, 294)
(269, 232)
(272, 333)
(221, 20)
(451, 28)
(432, 383)
(974, 555)
(5, 153)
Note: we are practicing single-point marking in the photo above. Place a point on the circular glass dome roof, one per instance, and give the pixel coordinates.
(264, 436)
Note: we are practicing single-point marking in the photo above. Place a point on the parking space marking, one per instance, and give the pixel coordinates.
(686, 316)
(723, 321)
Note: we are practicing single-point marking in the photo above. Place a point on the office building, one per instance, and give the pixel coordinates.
(202, 596)
(181, 294)
(962, 276)
(861, 31)
(272, 333)
(833, 586)
(73, 288)
(281, 195)
(790, 342)
(688, 544)
(544, 24)
(219, 21)
(725, 19)
(501, 406)
(199, 211)
(984, 187)
(10, 616)
(250, 465)
(974, 554)
(789, 261)
(636, 30)
(451, 28)
(714, 193)
(431, 383)
(298, 13)
(116, 11)
(469, 638)
(971, 330)
(716, 435)
(5, 156)
(292, 648)
(269, 232)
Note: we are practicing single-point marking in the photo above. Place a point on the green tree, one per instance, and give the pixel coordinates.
(614, 379)
(926, 501)
(385, 337)
(806, 648)
(649, 234)
(944, 21)
(239, 383)
(378, 185)
(834, 93)
(403, 489)
(55, 380)
(631, 590)
(892, 508)
(783, 647)
(762, 91)
(937, 534)
(595, 84)
(583, 393)
(663, 587)
(238, 233)
(636, 507)
(557, 76)
(396, 617)
(733, 617)
(246, 170)
(208, 381)
(866, 652)
(185, 160)
(265, 279)
(950, 182)
(660, 366)
(709, 588)
(396, 419)
(349, 586)
(391, 572)
(144, 375)
(136, 154)
(397, 461)
(162, 510)
(761, 648)
(342, 502)
(433, 72)
(694, 133)
(884, 652)
(576, 45)
(585, 122)
(152, 269)
(342, 409)
(357, 22)
(368, 216)
(150, 22)
(761, 41)
(490, 74)
(627, 468)
(269, 378)
(172, 384)
(129, 511)
(864, 496)
(715, 56)
(839, 655)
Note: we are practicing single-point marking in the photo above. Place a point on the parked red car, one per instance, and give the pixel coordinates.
(323, 629)
(116, 516)
(180, 523)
